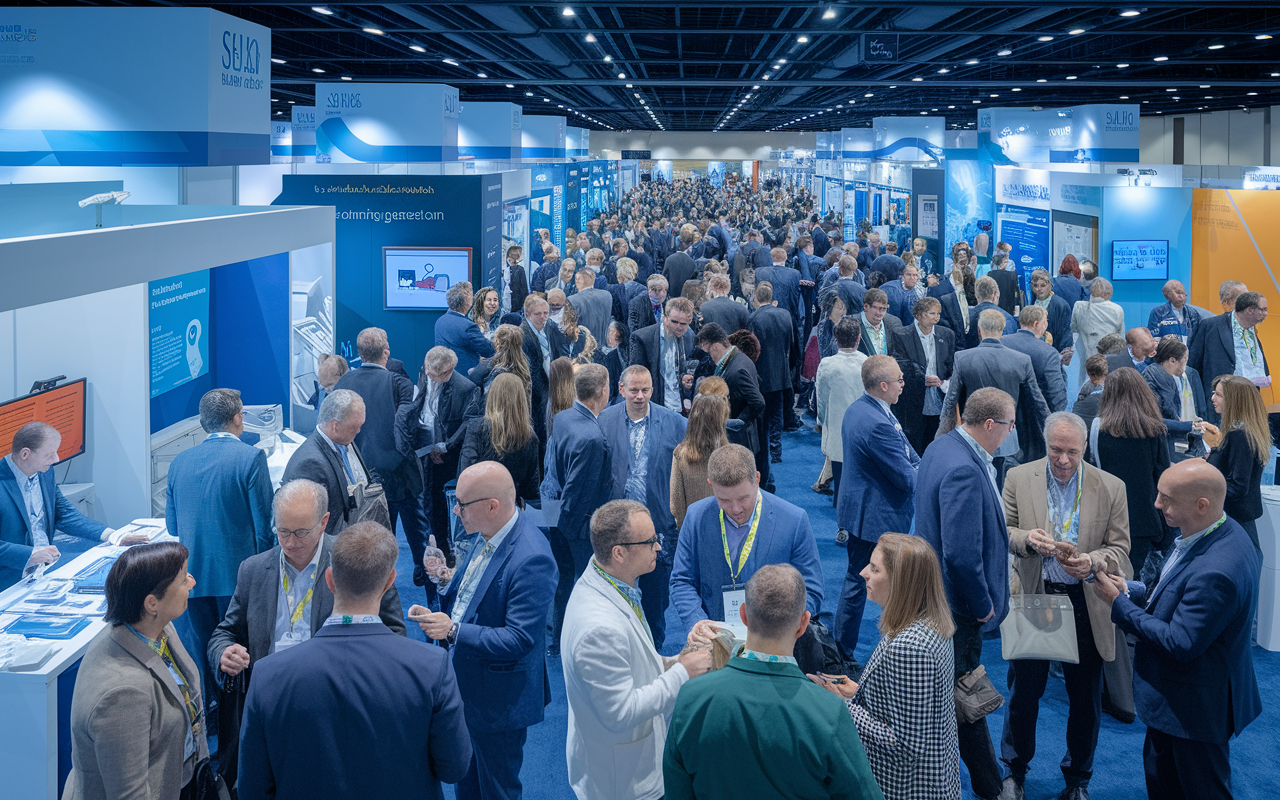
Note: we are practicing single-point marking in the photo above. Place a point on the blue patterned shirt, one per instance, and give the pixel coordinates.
(638, 454)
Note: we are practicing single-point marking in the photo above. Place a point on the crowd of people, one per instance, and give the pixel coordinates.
(592, 443)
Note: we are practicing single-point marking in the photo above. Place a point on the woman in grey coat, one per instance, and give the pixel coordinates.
(137, 722)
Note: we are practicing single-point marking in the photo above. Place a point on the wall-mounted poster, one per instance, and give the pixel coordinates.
(179, 327)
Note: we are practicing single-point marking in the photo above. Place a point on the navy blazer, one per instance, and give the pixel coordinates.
(726, 312)
(581, 457)
(878, 485)
(773, 327)
(1010, 294)
(1168, 394)
(1213, 353)
(500, 650)
(458, 333)
(1010, 322)
(384, 451)
(452, 412)
(993, 364)
(959, 512)
(645, 351)
(218, 504)
(700, 572)
(16, 542)
(1069, 288)
(666, 430)
(316, 461)
(951, 314)
(541, 383)
(786, 291)
(640, 314)
(679, 268)
(1059, 321)
(382, 717)
(1047, 363)
(1192, 669)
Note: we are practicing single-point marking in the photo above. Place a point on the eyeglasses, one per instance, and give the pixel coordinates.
(458, 504)
(300, 533)
(650, 542)
(1008, 422)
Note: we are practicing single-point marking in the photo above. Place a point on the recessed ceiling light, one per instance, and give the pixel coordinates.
(278, 61)
(1121, 66)
(782, 61)
(1252, 94)
(995, 95)
(321, 10)
(291, 102)
(546, 100)
(1044, 38)
(869, 94)
(1015, 89)
(1263, 36)
(1160, 58)
(1130, 12)
(775, 66)
(451, 62)
(374, 31)
(1217, 46)
(278, 113)
(830, 13)
(1124, 97)
(1005, 52)
(346, 77)
(1042, 80)
(622, 76)
(275, 99)
(1076, 31)
(977, 101)
(802, 39)
(628, 86)
(1208, 97)
(481, 75)
(511, 86)
(972, 61)
(417, 48)
(528, 94)
(590, 37)
(950, 106)
(753, 88)
(1205, 86)
(566, 12)
(1171, 90)
(317, 70)
(1071, 77)
(916, 80)
(943, 71)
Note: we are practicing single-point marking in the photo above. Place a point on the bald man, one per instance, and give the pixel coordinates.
(1194, 684)
(1174, 316)
(494, 621)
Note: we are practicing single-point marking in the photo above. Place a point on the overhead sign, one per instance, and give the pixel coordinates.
(880, 47)
(381, 122)
(637, 155)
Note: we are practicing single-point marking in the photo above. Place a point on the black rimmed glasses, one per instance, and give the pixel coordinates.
(650, 542)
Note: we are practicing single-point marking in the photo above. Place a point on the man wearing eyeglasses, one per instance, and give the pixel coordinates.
(281, 598)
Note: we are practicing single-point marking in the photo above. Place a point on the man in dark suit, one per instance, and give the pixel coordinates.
(543, 343)
(517, 280)
(680, 267)
(624, 292)
(877, 486)
(720, 308)
(32, 506)
(646, 307)
(593, 306)
(436, 422)
(257, 623)
(878, 324)
(846, 284)
(1086, 405)
(774, 328)
(389, 457)
(1045, 360)
(1140, 349)
(663, 349)
(330, 457)
(954, 316)
(960, 513)
(383, 715)
(1194, 684)
(786, 290)
(988, 294)
(746, 403)
(218, 504)
(1006, 278)
(1228, 345)
(926, 353)
(993, 364)
(458, 333)
(1058, 309)
(495, 622)
(581, 454)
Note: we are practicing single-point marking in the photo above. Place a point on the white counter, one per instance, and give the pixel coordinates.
(1269, 585)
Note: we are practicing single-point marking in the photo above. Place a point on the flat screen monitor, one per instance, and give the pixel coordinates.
(416, 278)
(62, 407)
(1140, 260)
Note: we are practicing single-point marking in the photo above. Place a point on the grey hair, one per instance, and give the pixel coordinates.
(440, 358)
(1066, 418)
(1230, 289)
(217, 408)
(338, 405)
(775, 600)
(302, 490)
(991, 321)
(456, 298)
(986, 288)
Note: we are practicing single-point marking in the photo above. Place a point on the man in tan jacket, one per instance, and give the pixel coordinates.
(1066, 520)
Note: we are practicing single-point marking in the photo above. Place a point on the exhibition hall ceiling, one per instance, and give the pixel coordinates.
(773, 64)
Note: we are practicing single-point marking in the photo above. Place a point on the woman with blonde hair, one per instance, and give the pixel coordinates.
(508, 357)
(1241, 447)
(705, 433)
(484, 311)
(505, 434)
(714, 384)
(904, 705)
(574, 333)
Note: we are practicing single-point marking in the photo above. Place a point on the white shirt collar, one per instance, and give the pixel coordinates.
(17, 473)
(496, 541)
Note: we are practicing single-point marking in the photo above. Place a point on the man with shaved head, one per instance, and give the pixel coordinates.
(1194, 684)
(1174, 316)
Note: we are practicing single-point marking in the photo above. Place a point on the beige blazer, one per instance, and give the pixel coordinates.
(1104, 535)
(129, 721)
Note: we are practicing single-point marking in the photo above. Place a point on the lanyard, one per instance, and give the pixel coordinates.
(638, 611)
(724, 362)
(747, 545)
(1065, 525)
(295, 613)
(1250, 342)
(161, 648)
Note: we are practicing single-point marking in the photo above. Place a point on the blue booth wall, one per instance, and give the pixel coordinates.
(248, 343)
(1145, 213)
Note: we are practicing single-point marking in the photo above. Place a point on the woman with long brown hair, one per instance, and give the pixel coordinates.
(704, 434)
(1241, 447)
(484, 311)
(508, 357)
(505, 434)
(559, 389)
(903, 706)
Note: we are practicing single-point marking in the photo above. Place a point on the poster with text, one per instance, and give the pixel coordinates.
(1027, 229)
(179, 330)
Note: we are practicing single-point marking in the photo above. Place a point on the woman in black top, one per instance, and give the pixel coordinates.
(1131, 444)
(505, 434)
(1241, 448)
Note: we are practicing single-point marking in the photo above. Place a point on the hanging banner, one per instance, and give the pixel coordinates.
(178, 323)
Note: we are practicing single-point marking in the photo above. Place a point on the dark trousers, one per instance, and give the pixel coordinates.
(762, 460)
(837, 467)
(655, 594)
(976, 749)
(194, 628)
(572, 557)
(790, 419)
(930, 432)
(773, 416)
(1027, 678)
(853, 595)
(1182, 769)
(495, 766)
(409, 513)
(434, 508)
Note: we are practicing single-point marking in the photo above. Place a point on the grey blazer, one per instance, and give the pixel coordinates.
(251, 615)
(129, 721)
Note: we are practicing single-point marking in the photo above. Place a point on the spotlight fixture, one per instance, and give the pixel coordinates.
(1076, 31)
(1122, 66)
(830, 13)
(1071, 77)
(528, 94)
(1015, 89)
(481, 75)
(622, 76)
(590, 37)
(374, 31)
(417, 48)
(317, 70)
(1216, 46)
(1160, 58)
(321, 10)
(943, 71)
(1130, 12)
(347, 77)
(451, 62)
(278, 61)
(511, 86)
(802, 39)
(917, 80)
(1262, 36)
(1042, 80)
(566, 12)
(972, 62)
(1044, 38)
(1004, 52)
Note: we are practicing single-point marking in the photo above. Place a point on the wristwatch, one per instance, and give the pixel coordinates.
(453, 634)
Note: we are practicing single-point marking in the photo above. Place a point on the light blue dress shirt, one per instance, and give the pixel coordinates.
(34, 498)
(300, 582)
(475, 569)
(638, 454)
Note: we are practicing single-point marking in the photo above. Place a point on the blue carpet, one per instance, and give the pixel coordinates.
(1117, 764)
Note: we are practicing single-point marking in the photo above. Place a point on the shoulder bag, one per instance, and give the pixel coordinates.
(976, 695)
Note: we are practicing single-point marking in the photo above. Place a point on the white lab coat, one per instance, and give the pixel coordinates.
(621, 694)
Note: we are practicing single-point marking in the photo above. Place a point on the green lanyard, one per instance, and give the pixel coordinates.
(747, 545)
(1250, 338)
(638, 611)
(1065, 524)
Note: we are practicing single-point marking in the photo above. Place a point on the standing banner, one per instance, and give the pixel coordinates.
(1022, 219)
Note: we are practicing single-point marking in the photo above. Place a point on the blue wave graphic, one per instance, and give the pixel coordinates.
(927, 147)
(334, 133)
(132, 148)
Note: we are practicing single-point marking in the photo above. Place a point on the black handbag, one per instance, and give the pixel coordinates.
(976, 695)
(206, 784)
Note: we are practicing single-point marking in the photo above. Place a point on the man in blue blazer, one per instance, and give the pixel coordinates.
(1045, 361)
(1194, 684)
(218, 504)
(32, 506)
(756, 527)
(1220, 341)
(642, 436)
(581, 454)
(877, 486)
(458, 333)
(960, 512)
(382, 714)
(495, 623)
(785, 281)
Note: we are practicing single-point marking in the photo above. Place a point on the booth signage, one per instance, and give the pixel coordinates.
(178, 326)
(880, 47)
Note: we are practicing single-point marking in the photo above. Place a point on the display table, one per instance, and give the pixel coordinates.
(35, 706)
(1269, 585)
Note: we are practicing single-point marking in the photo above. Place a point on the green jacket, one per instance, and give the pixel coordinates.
(763, 730)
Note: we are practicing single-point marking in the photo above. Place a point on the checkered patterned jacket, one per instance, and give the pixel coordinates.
(905, 714)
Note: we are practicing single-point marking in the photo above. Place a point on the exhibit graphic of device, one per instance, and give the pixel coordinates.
(417, 278)
(193, 348)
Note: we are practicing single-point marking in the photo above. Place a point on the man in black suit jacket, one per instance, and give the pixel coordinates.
(389, 457)
(646, 307)
(920, 404)
(382, 714)
(1140, 348)
(1213, 347)
(746, 403)
(773, 327)
(435, 422)
(720, 308)
(647, 351)
(320, 457)
(786, 290)
(679, 268)
(878, 324)
(1006, 278)
(537, 329)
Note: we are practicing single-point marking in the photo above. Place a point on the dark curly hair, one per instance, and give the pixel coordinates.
(747, 342)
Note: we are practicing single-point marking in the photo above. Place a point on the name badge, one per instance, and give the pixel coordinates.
(733, 598)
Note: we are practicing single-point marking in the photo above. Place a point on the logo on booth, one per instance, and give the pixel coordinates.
(241, 61)
(451, 104)
(17, 33)
(340, 100)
